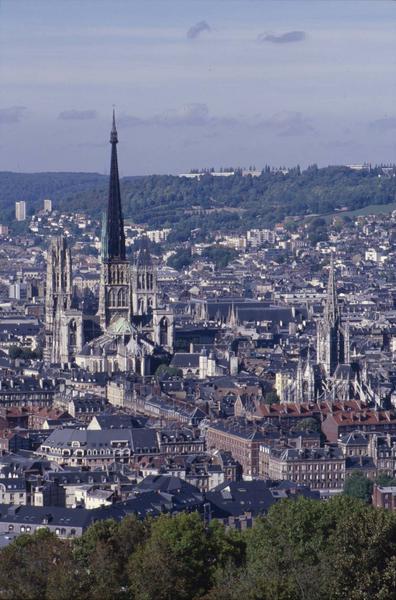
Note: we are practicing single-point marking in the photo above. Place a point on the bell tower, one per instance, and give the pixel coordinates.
(63, 325)
(144, 282)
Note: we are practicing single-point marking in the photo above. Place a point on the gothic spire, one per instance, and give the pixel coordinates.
(331, 309)
(115, 236)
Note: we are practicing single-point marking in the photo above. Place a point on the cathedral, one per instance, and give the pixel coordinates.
(136, 333)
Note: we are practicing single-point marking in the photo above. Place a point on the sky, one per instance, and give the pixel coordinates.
(196, 83)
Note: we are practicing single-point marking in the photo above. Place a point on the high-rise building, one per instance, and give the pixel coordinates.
(3, 230)
(47, 205)
(20, 210)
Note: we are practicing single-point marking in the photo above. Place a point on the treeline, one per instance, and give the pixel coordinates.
(217, 254)
(342, 549)
(227, 203)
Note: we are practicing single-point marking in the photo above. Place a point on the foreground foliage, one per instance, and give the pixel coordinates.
(337, 550)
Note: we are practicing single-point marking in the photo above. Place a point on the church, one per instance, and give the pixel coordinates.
(135, 333)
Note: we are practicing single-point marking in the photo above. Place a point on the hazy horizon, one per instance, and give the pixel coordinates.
(200, 84)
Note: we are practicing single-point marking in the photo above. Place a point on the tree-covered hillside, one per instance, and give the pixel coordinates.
(228, 203)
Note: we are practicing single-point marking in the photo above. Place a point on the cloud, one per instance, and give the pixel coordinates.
(384, 125)
(197, 29)
(12, 114)
(194, 114)
(283, 38)
(77, 115)
(286, 123)
(289, 123)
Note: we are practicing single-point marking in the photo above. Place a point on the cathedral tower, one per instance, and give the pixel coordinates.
(144, 282)
(330, 333)
(115, 281)
(63, 325)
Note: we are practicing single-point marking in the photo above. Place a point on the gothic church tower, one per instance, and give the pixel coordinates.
(115, 280)
(63, 325)
(144, 282)
(330, 332)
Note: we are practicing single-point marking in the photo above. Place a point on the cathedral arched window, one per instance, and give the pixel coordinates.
(112, 297)
(163, 333)
(121, 297)
(72, 333)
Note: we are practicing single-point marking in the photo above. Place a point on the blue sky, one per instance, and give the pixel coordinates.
(196, 83)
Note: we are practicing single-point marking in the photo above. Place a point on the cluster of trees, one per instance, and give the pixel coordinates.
(303, 549)
(217, 254)
(181, 203)
(358, 485)
(25, 353)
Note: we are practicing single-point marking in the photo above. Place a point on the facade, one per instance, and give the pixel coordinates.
(98, 448)
(47, 205)
(382, 449)
(384, 497)
(318, 468)
(243, 442)
(20, 210)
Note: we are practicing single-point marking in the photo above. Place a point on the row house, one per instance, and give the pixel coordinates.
(91, 448)
(242, 441)
(368, 420)
(318, 468)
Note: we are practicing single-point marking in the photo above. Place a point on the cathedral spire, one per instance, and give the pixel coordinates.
(115, 236)
(331, 308)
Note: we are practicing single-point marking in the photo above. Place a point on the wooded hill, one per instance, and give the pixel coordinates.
(233, 203)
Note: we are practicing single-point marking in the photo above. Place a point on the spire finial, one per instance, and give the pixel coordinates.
(113, 134)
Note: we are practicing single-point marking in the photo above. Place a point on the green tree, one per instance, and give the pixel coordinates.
(357, 485)
(181, 259)
(271, 397)
(104, 550)
(180, 559)
(308, 424)
(360, 557)
(385, 480)
(164, 369)
(285, 549)
(30, 568)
